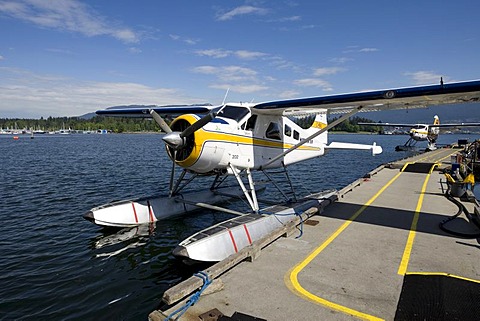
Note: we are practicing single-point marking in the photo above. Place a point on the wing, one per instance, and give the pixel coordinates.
(400, 98)
(144, 111)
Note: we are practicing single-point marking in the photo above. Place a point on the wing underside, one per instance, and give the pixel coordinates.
(144, 111)
(401, 98)
(389, 99)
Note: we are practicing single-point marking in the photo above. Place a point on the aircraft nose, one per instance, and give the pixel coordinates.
(173, 140)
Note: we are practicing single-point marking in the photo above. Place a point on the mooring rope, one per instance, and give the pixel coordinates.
(193, 299)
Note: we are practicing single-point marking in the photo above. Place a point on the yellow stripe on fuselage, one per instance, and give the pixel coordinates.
(203, 136)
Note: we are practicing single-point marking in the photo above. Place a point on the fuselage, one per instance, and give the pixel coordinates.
(425, 132)
(246, 140)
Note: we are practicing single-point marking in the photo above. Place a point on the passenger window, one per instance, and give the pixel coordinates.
(288, 131)
(296, 135)
(273, 131)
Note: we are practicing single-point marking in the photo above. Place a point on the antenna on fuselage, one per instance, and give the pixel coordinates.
(225, 98)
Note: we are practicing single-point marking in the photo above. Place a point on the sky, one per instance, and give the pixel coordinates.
(71, 57)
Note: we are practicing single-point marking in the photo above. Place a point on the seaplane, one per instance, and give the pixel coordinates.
(421, 132)
(236, 140)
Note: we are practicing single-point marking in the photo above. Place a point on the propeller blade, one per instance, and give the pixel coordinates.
(198, 124)
(159, 120)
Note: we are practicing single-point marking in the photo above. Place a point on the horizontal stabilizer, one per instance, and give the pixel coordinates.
(374, 148)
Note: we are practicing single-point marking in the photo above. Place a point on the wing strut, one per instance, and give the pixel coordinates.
(321, 131)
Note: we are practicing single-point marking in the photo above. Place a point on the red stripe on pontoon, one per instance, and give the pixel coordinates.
(233, 241)
(150, 211)
(248, 234)
(135, 213)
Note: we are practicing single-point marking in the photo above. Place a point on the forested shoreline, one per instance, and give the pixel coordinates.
(121, 125)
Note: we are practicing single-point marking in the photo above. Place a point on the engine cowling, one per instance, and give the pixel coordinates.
(186, 153)
(203, 151)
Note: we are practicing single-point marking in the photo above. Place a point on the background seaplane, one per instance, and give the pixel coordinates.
(239, 139)
(422, 132)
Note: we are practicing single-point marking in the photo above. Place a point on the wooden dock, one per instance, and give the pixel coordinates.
(368, 256)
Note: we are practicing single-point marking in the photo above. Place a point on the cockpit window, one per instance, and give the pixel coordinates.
(235, 113)
(250, 123)
(273, 131)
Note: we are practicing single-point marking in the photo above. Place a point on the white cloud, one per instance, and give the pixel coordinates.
(30, 95)
(222, 53)
(242, 10)
(314, 82)
(289, 94)
(188, 41)
(214, 53)
(134, 50)
(243, 89)
(358, 49)
(227, 73)
(70, 15)
(1, 57)
(319, 72)
(245, 54)
(235, 78)
(368, 50)
(341, 60)
(425, 77)
(287, 19)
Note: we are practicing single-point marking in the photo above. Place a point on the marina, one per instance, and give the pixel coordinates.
(368, 255)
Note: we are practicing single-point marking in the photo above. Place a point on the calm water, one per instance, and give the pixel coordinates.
(57, 266)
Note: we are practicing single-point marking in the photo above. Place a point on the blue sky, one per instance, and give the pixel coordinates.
(71, 57)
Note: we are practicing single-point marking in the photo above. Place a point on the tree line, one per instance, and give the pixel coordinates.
(351, 125)
(122, 125)
(113, 124)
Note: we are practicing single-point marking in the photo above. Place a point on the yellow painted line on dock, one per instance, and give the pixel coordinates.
(291, 278)
(411, 235)
(402, 269)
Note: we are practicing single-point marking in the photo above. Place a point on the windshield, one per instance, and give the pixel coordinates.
(236, 113)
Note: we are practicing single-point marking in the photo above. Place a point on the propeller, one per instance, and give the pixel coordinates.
(176, 140)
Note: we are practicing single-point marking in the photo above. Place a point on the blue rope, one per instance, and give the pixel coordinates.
(287, 214)
(301, 226)
(193, 299)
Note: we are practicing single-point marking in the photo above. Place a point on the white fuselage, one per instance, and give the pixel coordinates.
(244, 140)
(424, 132)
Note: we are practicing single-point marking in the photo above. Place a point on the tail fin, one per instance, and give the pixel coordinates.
(436, 120)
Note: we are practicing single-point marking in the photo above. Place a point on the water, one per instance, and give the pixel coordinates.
(57, 266)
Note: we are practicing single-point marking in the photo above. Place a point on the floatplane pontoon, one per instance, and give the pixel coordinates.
(236, 139)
